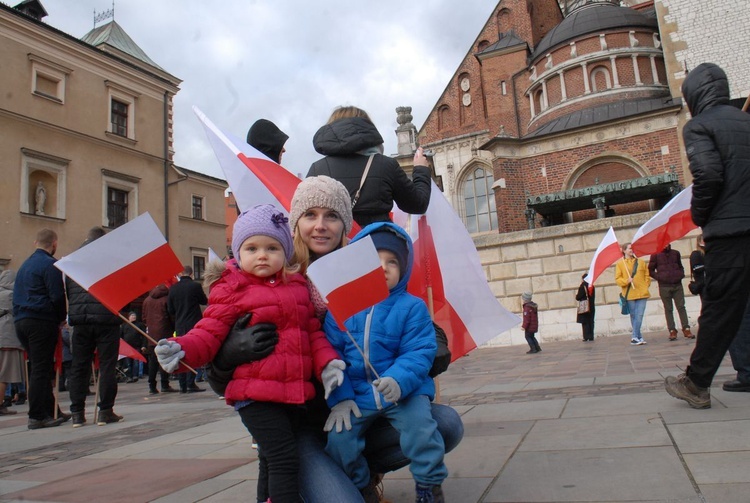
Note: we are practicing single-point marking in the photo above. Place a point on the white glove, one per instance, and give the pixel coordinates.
(169, 354)
(332, 376)
(389, 388)
(340, 416)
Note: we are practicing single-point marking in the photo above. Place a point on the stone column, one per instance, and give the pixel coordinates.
(530, 217)
(599, 203)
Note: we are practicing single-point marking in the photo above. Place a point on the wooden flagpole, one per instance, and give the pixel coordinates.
(747, 104)
(144, 334)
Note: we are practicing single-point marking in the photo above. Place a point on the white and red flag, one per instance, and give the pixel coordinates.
(448, 275)
(252, 177)
(128, 351)
(350, 279)
(123, 264)
(671, 223)
(607, 253)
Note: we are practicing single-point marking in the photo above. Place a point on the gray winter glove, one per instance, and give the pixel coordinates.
(340, 416)
(332, 376)
(169, 353)
(389, 388)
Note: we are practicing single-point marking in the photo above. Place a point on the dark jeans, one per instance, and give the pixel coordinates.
(739, 351)
(588, 330)
(726, 293)
(274, 426)
(187, 380)
(153, 368)
(531, 339)
(105, 340)
(39, 338)
(134, 368)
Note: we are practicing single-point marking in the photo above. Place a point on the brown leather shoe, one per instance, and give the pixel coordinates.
(673, 335)
(688, 334)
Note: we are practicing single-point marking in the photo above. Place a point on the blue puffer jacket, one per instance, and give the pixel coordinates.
(396, 335)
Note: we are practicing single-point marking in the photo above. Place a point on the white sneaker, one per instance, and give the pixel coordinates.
(641, 342)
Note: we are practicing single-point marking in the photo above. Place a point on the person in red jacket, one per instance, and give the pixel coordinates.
(530, 323)
(268, 394)
(160, 326)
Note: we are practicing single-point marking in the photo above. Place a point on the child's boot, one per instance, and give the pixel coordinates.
(429, 494)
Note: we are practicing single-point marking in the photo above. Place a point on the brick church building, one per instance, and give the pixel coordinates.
(557, 114)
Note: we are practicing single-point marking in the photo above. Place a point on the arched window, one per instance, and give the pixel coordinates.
(600, 79)
(479, 201)
(443, 118)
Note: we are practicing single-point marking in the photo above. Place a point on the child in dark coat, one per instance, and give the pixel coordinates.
(530, 323)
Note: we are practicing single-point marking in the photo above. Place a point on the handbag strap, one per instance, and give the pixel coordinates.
(635, 268)
(362, 181)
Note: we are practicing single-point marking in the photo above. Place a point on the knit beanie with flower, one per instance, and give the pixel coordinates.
(321, 192)
(262, 220)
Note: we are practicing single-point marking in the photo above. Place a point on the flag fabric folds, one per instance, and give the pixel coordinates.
(607, 253)
(123, 264)
(128, 351)
(671, 223)
(447, 271)
(350, 279)
(253, 178)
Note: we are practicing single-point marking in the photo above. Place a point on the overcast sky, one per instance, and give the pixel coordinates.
(291, 61)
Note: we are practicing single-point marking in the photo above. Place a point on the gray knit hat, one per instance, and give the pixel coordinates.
(526, 296)
(264, 220)
(321, 192)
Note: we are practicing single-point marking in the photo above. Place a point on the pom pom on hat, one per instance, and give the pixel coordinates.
(263, 220)
(526, 296)
(321, 192)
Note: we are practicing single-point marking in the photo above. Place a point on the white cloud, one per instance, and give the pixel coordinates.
(291, 61)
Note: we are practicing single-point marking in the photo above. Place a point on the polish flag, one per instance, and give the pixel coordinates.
(128, 351)
(350, 279)
(671, 223)
(123, 264)
(448, 274)
(253, 178)
(607, 253)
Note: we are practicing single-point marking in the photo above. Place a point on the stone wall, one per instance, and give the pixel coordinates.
(549, 262)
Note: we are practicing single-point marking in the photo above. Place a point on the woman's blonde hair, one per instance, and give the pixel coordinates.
(347, 113)
(698, 241)
(624, 247)
(301, 255)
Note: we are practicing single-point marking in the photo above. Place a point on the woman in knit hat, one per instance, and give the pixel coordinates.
(353, 150)
(321, 219)
(270, 394)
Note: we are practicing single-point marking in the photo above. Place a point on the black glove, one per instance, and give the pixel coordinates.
(443, 355)
(246, 344)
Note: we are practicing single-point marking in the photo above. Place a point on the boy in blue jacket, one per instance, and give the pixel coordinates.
(398, 338)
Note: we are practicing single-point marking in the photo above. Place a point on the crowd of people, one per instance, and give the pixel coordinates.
(335, 404)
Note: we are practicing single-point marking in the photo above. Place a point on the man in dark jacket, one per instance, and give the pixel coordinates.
(184, 305)
(160, 326)
(95, 329)
(716, 139)
(348, 141)
(38, 310)
(666, 266)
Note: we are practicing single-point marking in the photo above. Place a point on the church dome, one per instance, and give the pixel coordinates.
(592, 18)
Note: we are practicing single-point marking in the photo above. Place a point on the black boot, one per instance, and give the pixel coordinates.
(152, 389)
(21, 399)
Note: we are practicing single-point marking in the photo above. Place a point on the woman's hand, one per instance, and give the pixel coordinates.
(420, 159)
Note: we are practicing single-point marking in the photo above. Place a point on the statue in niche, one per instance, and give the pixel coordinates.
(40, 198)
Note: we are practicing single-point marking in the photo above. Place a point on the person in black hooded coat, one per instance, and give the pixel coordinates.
(268, 139)
(347, 141)
(718, 148)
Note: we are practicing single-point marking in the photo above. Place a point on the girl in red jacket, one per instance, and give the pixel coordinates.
(269, 393)
(530, 323)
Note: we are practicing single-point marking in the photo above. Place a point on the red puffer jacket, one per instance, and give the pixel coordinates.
(283, 376)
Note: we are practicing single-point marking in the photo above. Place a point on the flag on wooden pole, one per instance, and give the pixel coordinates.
(607, 253)
(123, 264)
(671, 223)
(350, 279)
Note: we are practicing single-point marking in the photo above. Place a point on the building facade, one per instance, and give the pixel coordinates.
(87, 140)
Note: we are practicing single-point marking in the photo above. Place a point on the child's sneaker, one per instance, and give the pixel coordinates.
(429, 494)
